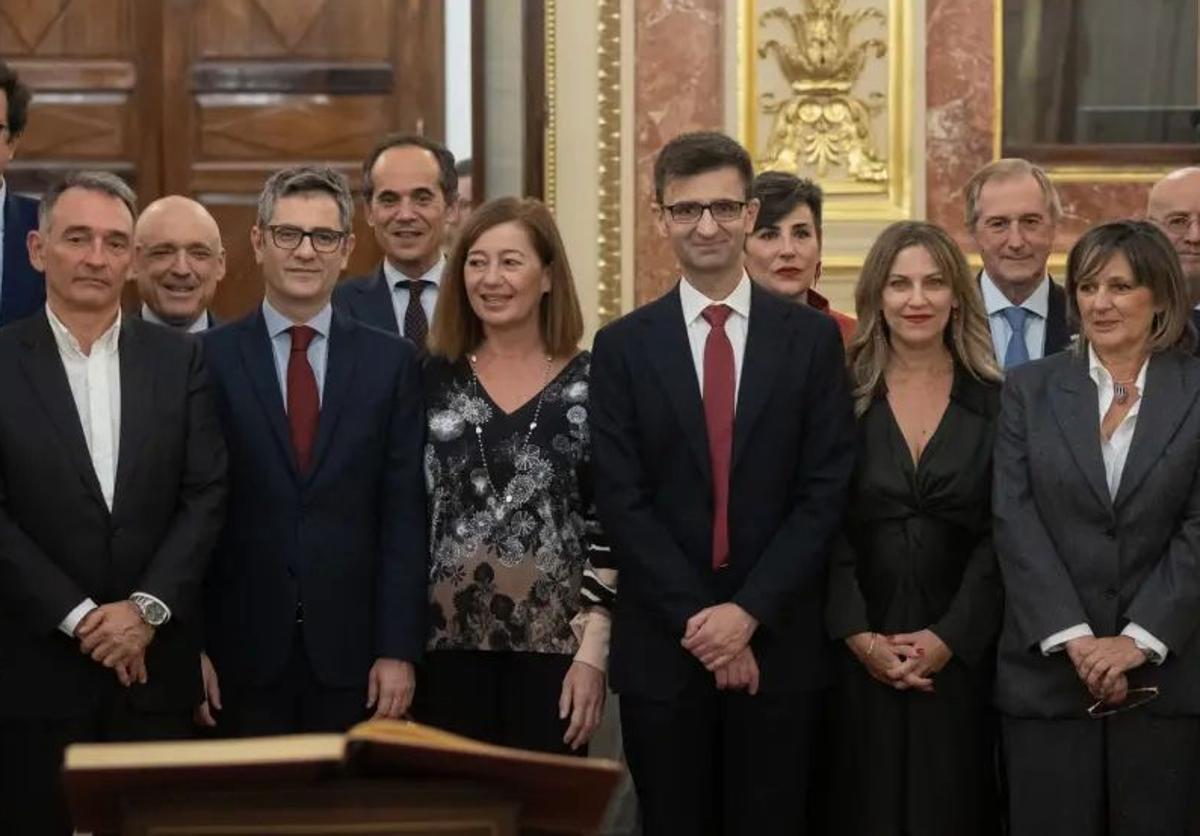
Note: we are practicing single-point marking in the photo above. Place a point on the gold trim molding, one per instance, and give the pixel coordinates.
(550, 130)
(847, 199)
(608, 174)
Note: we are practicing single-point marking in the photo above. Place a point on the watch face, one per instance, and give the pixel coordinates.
(156, 613)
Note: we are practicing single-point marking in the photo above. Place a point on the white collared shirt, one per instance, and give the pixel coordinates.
(1115, 451)
(1037, 304)
(736, 327)
(398, 282)
(197, 325)
(95, 381)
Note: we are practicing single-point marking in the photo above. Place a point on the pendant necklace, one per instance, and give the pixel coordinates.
(1122, 389)
(537, 410)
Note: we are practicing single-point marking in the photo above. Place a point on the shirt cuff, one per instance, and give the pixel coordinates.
(1145, 640)
(1057, 641)
(156, 600)
(69, 624)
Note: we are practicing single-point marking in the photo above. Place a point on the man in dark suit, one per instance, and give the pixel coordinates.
(721, 517)
(22, 288)
(1012, 213)
(411, 191)
(1174, 207)
(112, 489)
(178, 260)
(317, 597)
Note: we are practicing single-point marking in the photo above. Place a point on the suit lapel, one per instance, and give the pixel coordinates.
(765, 344)
(1058, 336)
(137, 397)
(48, 379)
(259, 359)
(671, 355)
(340, 365)
(1073, 399)
(1167, 402)
(1196, 328)
(379, 310)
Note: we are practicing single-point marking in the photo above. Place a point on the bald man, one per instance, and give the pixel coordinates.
(178, 260)
(1174, 206)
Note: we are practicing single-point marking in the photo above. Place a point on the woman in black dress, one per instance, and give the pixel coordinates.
(520, 586)
(915, 592)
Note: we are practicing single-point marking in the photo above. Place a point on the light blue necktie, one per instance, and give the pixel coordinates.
(1017, 352)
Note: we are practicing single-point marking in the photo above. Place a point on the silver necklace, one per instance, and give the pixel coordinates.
(1122, 389)
(537, 410)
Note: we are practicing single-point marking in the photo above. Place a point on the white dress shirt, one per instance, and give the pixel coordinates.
(401, 295)
(199, 324)
(1037, 304)
(736, 327)
(1115, 451)
(95, 381)
(278, 327)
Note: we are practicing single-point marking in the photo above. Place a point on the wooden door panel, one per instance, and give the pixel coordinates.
(67, 28)
(345, 30)
(239, 127)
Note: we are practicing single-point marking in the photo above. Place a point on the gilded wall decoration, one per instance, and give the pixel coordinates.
(823, 123)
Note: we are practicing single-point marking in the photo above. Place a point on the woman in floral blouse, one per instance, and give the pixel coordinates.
(520, 586)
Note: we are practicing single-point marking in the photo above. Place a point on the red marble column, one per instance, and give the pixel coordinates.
(679, 87)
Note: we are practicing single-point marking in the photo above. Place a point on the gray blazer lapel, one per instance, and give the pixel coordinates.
(1169, 397)
(1074, 400)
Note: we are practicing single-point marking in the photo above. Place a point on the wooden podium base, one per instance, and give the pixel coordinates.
(379, 808)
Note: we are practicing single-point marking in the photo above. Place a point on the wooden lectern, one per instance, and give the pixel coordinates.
(383, 777)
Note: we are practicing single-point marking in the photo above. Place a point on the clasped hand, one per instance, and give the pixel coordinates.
(904, 660)
(1101, 665)
(717, 634)
(116, 636)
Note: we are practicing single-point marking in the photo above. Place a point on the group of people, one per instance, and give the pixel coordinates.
(919, 571)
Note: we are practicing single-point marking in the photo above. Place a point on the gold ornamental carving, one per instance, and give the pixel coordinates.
(823, 123)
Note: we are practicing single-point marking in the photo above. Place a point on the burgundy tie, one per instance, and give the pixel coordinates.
(719, 382)
(303, 402)
(416, 325)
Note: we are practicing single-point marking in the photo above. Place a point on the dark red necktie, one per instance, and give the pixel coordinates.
(416, 324)
(303, 402)
(719, 384)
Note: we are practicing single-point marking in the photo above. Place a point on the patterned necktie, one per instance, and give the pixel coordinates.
(303, 401)
(719, 384)
(1017, 351)
(416, 325)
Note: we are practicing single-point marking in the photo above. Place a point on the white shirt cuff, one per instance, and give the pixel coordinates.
(1145, 640)
(1056, 642)
(69, 624)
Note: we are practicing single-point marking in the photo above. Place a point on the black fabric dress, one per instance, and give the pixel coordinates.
(917, 553)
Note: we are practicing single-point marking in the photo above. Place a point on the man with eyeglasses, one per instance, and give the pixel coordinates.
(178, 259)
(723, 441)
(22, 287)
(410, 187)
(1012, 212)
(1174, 207)
(316, 600)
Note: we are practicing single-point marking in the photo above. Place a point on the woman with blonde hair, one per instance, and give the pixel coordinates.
(915, 593)
(520, 586)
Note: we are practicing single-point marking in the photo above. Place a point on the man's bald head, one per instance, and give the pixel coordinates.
(178, 259)
(1174, 205)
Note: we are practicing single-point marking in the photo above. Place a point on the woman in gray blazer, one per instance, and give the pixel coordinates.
(1097, 530)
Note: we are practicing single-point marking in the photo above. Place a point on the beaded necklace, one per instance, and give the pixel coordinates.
(537, 410)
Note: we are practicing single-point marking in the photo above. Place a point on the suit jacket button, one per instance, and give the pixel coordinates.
(1110, 533)
(1110, 593)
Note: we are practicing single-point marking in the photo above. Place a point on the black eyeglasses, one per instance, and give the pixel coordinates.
(690, 212)
(1134, 698)
(290, 237)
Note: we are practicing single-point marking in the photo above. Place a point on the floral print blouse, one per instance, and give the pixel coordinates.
(512, 537)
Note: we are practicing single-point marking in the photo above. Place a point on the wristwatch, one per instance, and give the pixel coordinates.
(152, 610)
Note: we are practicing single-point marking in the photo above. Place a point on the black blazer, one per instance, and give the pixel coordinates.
(792, 458)
(346, 540)
(213, 322)
(1070, 554)
(369, 300)
(22, 288)
(59, 543)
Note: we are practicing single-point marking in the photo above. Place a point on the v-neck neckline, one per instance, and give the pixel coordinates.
(530, 401)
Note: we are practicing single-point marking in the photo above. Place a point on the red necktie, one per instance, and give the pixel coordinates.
(303, 402)
(719, 382)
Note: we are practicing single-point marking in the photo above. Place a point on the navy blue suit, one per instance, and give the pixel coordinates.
(329, 564)
(22, 289)
(369, 300)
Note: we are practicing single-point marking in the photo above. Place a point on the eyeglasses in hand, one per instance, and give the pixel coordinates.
(1134, 698)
